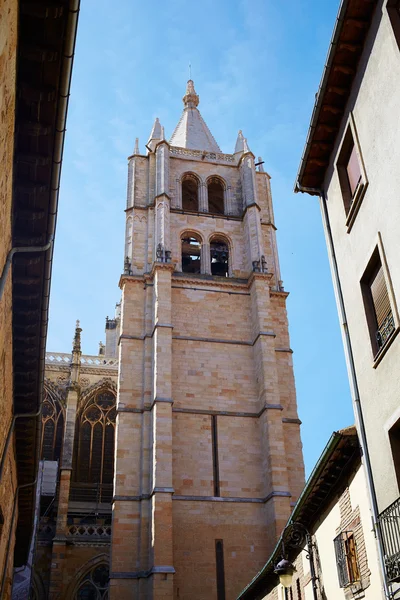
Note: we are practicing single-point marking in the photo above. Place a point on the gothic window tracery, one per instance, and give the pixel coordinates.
(191, 253)
(94, 440)
(216, 193)
(94, 586)
(190, 192)
(219, 254)
(52, 427)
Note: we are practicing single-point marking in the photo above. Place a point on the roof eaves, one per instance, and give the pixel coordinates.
(331, 446)
(322, 86)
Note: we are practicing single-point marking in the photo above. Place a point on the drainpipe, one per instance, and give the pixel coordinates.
(353, 378)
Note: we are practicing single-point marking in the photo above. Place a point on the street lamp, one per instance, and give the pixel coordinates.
(295, 536)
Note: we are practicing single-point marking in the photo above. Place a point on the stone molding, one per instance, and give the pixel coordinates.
(140, 498)
(190, 338)
(142, 574)
(200, 411)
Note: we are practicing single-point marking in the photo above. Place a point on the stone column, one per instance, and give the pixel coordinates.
(252, 216)
(275, 467)
(161, 499)
(178, 194)
(60, 539)
(203, 198)
(205, 258)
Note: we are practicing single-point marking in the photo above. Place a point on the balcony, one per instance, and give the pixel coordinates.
(389, 524)
(385, 330)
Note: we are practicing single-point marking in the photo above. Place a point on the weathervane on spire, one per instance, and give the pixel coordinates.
(190, 71)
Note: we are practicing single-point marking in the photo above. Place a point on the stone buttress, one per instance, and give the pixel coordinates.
(208, 455)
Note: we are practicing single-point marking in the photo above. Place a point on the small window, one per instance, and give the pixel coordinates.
(393, 8)
(190, 193)
(377, 303)
(298, 589)
(215, 191)
(394, 438)
(191, 254)
(219, 555)
(352, 177)
(346, 558)
(219, 253)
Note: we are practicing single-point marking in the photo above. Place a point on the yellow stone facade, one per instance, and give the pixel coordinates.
(208, 446)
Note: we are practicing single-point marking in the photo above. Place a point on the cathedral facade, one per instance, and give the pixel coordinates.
(194, 417)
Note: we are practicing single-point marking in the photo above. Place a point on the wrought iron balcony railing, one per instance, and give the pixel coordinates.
(389, 523)
(385, 330)
(91, 492)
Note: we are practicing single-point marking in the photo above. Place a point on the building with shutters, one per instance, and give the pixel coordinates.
(334, 510)
(350, 161)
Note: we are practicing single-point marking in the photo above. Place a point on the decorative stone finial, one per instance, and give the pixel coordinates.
(76, 347)
(162, 133)
(136, 150)
(156, 131)
(190, 99)
(239, 142)
(260, 164)
(245, 146)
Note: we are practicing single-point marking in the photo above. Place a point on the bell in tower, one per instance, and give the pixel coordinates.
(208, 451)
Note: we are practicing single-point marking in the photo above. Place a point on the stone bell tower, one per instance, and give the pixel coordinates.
(208, 451)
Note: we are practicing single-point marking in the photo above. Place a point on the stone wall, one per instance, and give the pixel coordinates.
(8, 49)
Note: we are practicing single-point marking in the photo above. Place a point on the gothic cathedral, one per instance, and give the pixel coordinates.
(201, 415)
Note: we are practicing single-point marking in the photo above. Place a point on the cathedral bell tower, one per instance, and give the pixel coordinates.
(208, 452)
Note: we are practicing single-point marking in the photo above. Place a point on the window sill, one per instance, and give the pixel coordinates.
(382, 351)
(355, 205)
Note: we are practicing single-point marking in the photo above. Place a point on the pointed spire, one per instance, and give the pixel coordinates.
(191, 131)
(162, 133)
(77, 338)
(136, 150)
(241, 144)
(155, 134)
(190, 99)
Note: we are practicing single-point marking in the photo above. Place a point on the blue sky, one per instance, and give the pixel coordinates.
(256, 67)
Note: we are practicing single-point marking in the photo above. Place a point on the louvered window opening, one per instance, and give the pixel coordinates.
(94, 450)
(215, 191)
(346, 559)
(382, 308)
(52, 428)
(190, 194)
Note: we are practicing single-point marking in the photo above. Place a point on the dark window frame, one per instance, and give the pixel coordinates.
(184, 239)
(380, 333)
(216, 199)
(192, 204)
(220, 569)
(347, 562)
(352, 198)
(219, 246)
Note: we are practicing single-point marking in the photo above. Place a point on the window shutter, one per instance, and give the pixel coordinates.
(380, 297)
(341, 561)
(353, 170)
